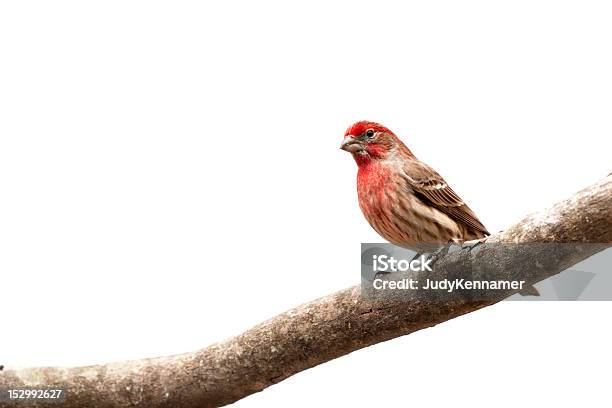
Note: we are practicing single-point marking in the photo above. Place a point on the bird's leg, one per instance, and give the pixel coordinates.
(417, 256)
(469, 245)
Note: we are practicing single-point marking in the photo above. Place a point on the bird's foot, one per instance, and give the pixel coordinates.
(439, 253)
(469, 245)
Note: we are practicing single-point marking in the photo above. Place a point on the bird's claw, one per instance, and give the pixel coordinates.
(470, 245)
(439, 253)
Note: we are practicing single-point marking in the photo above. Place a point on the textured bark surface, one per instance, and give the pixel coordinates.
(323, 329)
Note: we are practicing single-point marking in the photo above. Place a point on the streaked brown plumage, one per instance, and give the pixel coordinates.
(407, 202)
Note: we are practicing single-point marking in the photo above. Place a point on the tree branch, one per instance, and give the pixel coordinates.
(321, 330)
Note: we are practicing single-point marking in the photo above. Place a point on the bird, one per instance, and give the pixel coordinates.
(404, 199)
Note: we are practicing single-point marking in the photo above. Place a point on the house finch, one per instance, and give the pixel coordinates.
(407, 202)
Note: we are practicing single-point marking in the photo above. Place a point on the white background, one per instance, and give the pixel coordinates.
(170, 176)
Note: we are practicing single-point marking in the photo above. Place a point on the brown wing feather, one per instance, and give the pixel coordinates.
(429, 186)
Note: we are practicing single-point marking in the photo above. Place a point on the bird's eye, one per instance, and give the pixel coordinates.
(370, 133)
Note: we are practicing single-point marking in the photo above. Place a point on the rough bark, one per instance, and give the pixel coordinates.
(321, 330)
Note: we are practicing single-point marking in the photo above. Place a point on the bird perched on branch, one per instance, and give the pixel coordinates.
(406, 201)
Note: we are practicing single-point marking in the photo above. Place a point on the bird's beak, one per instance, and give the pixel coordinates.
(351, 145)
